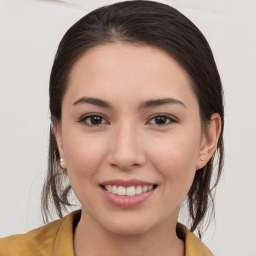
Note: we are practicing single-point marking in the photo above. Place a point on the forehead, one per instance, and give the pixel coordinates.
(122, 68)
(126, 55)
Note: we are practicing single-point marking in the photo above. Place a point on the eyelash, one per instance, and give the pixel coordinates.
(166, 117)
(84, 119)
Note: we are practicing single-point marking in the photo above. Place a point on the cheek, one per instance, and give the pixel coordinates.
(83, 155)
(175, 158)
(177, 150)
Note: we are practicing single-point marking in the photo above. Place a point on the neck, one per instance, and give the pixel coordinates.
(91, 239)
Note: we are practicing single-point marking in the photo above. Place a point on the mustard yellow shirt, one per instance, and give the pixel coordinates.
(56, 239)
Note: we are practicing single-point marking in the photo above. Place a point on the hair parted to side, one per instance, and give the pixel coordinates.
(143, 23)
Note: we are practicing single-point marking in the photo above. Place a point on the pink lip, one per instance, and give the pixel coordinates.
(126, 201)
(126, 183)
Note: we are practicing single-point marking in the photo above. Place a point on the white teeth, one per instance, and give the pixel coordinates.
(109, 188)
(145, 188)
(129, 191)
(121, 191)
(138, 190)
(114, 189)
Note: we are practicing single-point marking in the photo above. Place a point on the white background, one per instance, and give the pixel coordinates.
(30, 31)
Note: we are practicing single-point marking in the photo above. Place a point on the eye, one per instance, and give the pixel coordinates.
(161, 120)
(93, 120)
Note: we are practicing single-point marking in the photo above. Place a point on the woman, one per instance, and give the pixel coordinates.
(137, 116)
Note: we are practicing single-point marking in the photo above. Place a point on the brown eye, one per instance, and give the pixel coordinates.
(161, 120)
(93, 120)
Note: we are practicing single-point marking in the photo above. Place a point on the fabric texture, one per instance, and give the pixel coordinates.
(56, 239)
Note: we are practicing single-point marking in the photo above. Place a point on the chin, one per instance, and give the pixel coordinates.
(131, 225)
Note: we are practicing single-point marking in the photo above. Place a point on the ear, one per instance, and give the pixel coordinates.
(59, 140)
(209, 141)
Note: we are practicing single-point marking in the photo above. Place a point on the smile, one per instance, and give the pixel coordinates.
(129, 191)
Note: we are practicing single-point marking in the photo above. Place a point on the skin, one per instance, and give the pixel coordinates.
(128, 142)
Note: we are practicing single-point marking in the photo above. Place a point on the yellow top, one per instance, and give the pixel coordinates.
(56, 239)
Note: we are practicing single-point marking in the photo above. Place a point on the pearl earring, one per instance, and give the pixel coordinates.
(61, 163)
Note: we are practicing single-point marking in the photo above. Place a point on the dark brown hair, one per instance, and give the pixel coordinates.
(143, 23)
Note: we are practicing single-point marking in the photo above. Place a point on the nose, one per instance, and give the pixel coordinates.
(126, 148)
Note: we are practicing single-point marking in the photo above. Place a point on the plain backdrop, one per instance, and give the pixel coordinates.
(30, 31)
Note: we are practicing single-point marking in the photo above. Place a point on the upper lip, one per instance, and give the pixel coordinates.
(126, 183)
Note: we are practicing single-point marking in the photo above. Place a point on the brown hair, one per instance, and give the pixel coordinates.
(149, 23)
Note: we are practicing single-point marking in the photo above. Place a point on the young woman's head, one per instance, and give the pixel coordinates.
(136, 101)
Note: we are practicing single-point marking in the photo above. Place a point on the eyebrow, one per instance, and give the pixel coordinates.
(93, 101)
(143, 105)
(160, 102)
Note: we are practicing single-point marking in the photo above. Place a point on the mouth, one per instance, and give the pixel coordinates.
(128, 191)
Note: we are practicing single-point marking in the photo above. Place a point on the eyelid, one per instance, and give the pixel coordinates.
(168, 116)
(83, 118)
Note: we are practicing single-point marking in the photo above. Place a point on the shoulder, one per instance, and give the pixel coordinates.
(36, 241)
(46, 240)
(193, 245)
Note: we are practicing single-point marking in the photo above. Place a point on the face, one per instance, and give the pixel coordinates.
(130, 136)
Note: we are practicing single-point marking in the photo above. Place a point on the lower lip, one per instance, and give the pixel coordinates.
(127, 201)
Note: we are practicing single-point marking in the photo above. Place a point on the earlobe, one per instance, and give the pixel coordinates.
(58, 138)
(62, 163)
(209, 140)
